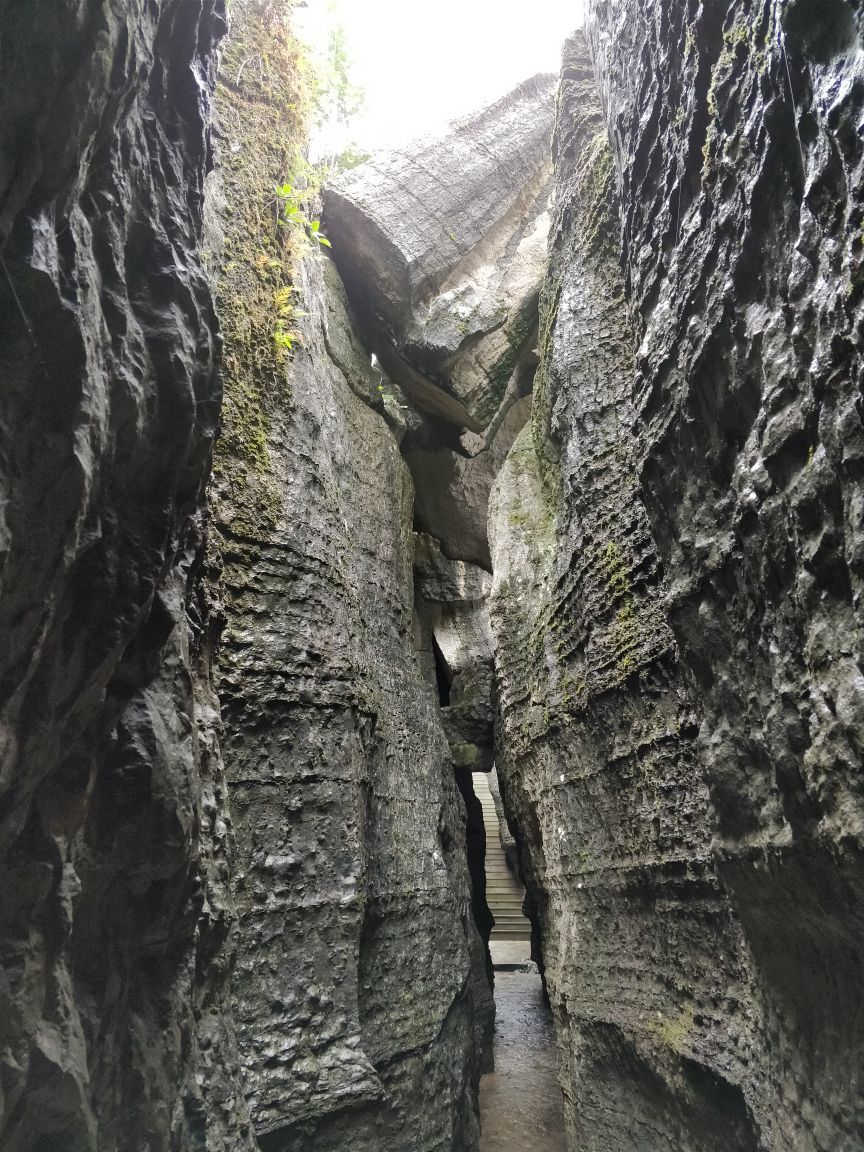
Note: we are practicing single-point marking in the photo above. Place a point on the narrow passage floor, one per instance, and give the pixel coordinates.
(521, 1109)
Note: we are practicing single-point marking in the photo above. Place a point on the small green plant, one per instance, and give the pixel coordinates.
(285, 334)
(282, 338)
(292, 211)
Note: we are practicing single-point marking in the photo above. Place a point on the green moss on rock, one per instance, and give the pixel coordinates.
(262, 102)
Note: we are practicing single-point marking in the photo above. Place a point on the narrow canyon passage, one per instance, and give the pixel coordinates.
(414, 564)
(521, 1106)
(520, 1102)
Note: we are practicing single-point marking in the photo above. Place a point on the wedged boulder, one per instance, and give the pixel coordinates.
(451, 599)
(444, 242)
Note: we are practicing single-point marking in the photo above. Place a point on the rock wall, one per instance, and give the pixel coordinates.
(739, 155)
(442, 248)
(675, 545)
(114, 916)
(669, 590)
(645, 966)
(353, 991)
(360, 988)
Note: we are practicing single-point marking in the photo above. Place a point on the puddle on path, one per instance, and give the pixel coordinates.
(520, 1102)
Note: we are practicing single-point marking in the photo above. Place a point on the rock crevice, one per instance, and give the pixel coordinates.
(591, 514)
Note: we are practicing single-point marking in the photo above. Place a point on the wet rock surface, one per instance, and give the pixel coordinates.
(645, 965)
(663, 622)
(706, 656)
(114, 911)
(354, 989)
(520, 1102)
(738, 151)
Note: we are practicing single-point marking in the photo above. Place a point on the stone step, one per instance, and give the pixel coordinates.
(504, 893)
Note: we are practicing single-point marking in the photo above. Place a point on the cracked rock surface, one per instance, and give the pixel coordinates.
(447, 238)
(676, 599)
(645, 965)
(596, 516)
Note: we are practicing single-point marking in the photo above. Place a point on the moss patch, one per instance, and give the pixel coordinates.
(263, 98)
(518, 335)
(597, 200)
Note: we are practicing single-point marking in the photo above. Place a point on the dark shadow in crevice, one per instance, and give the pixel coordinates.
(442, 675)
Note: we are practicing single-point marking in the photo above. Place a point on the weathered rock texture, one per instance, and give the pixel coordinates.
(443, 250)
(674, 616)
(644, 964)
(444, 243)
(361, 995)
(681, 755)
(114, 911)
(738, 143)
(353, 991)
(451, 606)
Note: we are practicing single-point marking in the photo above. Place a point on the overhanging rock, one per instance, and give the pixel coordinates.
(443, 245)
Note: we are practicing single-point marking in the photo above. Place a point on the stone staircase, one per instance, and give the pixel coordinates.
(504, 893)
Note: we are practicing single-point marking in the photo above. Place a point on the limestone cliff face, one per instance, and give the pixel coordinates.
(645, 965)
(677, 567)
(738, 150)
(114, 914)
(360, 991)
(658, 639)
(353, 988)
(443, 250)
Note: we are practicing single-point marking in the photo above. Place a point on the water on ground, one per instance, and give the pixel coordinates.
(520, 1102)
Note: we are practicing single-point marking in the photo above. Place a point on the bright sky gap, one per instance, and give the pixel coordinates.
(421, 65)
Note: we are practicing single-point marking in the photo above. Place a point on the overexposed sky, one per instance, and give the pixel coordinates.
(424, 62)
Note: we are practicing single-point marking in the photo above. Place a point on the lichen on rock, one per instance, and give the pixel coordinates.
(262, 107)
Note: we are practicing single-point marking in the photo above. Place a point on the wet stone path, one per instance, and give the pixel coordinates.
(520, 1102)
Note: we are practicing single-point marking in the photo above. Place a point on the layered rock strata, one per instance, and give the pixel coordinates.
(671, 601)
(646, 967)
(360, 988)
(732, 462)
(114, 911)
(443, 250)
(445, 242)
(737, 140)
(354, 995)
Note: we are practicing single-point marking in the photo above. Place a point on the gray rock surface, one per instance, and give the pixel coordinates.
(677, 753)
(738, 148)
(453, 481)
(359, 965)
(664, 620)
(114, 911)
(444, 244)
(451, 603)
